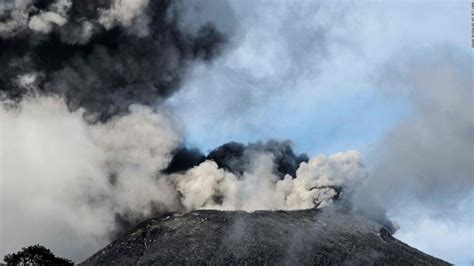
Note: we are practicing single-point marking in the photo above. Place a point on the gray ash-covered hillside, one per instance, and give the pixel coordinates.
(328, 236)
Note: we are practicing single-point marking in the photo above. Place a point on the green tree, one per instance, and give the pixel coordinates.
(35, 255)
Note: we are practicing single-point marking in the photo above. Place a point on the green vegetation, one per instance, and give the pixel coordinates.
(35, 255)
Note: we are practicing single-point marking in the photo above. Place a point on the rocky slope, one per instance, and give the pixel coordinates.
(323, 237)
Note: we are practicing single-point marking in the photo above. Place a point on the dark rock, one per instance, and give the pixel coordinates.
(309, 237)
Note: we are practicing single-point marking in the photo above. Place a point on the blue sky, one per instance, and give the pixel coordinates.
(263, 89)
(311, 72)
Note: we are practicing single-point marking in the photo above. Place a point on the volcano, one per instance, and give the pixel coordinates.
(328, 236)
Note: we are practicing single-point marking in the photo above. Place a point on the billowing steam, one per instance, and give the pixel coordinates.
(317, 182)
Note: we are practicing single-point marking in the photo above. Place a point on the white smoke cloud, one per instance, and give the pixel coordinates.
(136, 147)
(49, 167)
(44, 21)
(200, 184)
(29, 81)
(18, 18)
(55, 174)
(129, 14)
(126, 13)
(316, 182)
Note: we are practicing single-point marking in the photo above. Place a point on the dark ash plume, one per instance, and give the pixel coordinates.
(184, 159)
(237, 157)
(102, 55)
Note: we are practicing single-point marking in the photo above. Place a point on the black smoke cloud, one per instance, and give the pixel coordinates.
(98, 58)
(184, 158)
(237, 157)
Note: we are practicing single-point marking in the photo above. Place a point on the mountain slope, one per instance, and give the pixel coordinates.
(327, 236)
